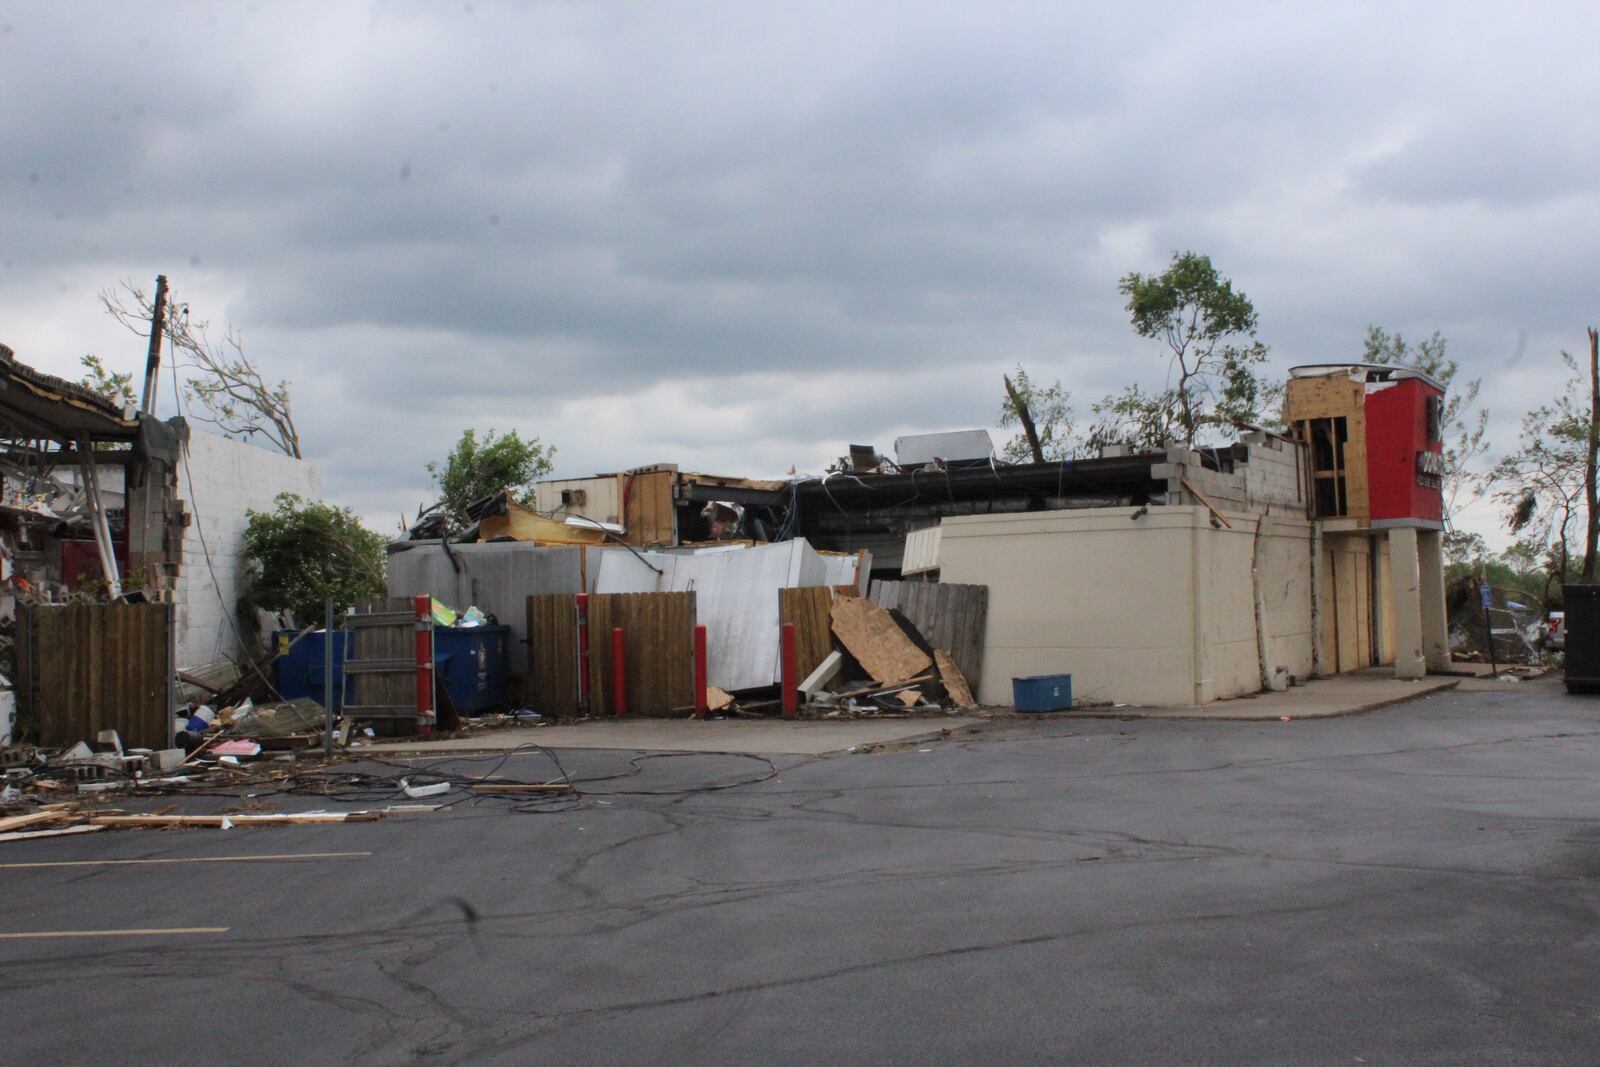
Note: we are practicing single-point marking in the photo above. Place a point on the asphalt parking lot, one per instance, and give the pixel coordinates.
(1416, 885)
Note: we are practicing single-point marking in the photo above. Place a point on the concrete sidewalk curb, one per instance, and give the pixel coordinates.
(805, 738)
(1441, 686)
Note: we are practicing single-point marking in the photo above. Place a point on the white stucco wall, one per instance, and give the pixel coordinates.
(219, 480)
(1156, 611)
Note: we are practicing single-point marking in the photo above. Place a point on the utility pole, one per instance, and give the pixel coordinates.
(1591, 496)
(152, 365)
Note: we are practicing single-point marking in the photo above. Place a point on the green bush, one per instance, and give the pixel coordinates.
(303, 553)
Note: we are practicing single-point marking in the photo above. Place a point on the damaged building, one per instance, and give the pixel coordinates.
(1171, 577)
(102, 502)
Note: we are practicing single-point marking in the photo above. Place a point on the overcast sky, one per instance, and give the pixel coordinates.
(738, 236)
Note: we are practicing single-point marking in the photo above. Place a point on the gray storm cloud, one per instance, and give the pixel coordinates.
(738, 236)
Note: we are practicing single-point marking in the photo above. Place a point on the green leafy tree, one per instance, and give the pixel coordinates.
(1463, 423)
(1142, 421)
(302, 553)
(115, 386)
(1051, 410)
(1209, 329)
(1541, 483)
(476, 469)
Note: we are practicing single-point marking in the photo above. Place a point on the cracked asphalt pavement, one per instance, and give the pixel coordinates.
(1416, 886)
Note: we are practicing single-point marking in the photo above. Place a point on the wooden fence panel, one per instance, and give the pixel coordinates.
(83, 668)
(553, 654)
(808, 610)
(380, 672)
(658, 638)
(949, 615)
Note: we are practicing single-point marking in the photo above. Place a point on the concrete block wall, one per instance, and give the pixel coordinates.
(219, 481)
(1274, 474)
(1268, 480)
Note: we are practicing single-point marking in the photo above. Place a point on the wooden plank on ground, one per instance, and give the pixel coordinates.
(28, 835)
(221, 821)
(876, 641)
(36, 818)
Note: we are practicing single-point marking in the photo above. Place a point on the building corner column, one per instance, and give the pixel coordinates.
(1406, 598)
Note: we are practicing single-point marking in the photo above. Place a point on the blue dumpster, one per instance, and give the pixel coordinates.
(471, 662)
(299, 665)
(1042, 693)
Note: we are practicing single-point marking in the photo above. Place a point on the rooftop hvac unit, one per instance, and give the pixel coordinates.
(955, 447)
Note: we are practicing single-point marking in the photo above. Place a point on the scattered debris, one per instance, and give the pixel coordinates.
(826, 672)
(225, 822)
(954, 683)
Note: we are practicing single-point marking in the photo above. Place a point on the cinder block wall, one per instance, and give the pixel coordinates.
(219, 481)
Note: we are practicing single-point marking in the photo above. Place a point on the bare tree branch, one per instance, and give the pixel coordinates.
(229, 391)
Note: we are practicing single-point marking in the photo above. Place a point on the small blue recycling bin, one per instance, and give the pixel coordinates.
(1041, 693)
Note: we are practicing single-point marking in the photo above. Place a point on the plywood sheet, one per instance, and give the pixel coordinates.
(1329, 397)
(647, 509)
(954, 683)
(948, 615)
(524, 524)
(872, 636)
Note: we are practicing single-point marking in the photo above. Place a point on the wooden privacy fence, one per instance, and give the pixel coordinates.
(83, 668)
(658, 642)
(807, 609)
(553, 654)
(949, 615)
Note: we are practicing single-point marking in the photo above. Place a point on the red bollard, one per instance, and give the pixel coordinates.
(619, 677)
(791, 671)
(700, 706)
(582, 601)
(422, 607)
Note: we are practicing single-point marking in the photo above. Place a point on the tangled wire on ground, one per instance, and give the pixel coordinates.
(349, 784)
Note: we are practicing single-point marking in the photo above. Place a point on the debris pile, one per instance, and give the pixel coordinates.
(854, 657)
(881, 665)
